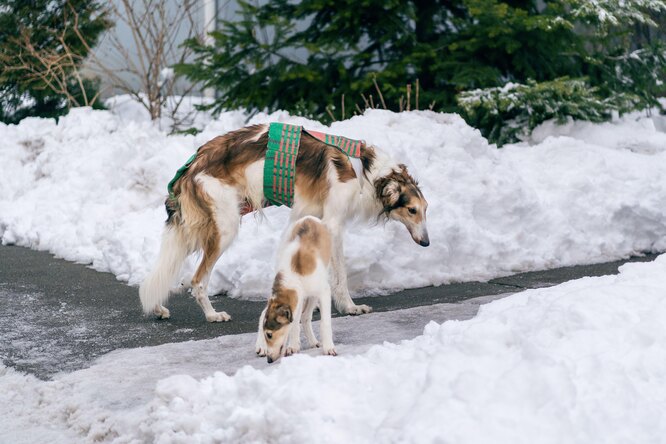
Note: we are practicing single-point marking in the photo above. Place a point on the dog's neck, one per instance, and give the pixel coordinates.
(380, 166)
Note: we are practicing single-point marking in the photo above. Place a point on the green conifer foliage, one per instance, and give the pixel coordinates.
(305, 55)
(312, 57)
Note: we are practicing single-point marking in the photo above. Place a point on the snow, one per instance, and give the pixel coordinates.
(580, 362)
(614, 12)
(91, 187)
(107, 396)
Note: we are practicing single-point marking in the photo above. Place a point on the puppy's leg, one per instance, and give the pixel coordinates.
(307, 323)
(341, 298)
(260, 345)
(294, 339)
(325, 329)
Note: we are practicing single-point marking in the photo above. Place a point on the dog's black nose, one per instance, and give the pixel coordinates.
(269, 359)
(424, 243)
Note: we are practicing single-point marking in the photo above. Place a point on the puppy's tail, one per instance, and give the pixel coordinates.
(174, 250)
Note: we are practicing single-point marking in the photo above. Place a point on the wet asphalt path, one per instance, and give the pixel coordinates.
(58, 316)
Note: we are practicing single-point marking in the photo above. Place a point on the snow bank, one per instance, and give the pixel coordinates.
(581, 362)
(91, 189)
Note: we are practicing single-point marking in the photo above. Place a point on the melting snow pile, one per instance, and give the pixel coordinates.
(581, 362)
(91, 189)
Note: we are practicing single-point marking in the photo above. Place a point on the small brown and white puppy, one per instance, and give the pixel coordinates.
(226, 180)
(300, 285)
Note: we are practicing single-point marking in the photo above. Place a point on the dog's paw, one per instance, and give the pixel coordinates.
(291, 351)
(330, 351)
(355, 310)
(260, 351)
(221, 316)
(162, 312)
(315, 344)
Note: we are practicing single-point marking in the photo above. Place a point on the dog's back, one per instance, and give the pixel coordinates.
(308, 247)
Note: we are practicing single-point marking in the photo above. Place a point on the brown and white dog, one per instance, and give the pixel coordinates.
(300, 285)
(227, 175)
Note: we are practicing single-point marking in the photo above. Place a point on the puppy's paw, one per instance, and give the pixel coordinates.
(355, 310)
(292, 350)
(221, 316)
(330, 351)
(260, 351)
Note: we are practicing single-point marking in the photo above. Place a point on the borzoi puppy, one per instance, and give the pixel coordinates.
(227, 175)
(300, 285)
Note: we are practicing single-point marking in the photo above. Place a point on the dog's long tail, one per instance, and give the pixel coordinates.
(174, 250)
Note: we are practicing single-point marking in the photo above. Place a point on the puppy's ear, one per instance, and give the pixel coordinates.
(283, 314)
(391, 193)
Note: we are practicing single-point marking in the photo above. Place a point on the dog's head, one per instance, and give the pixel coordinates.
(277, 322)
(402, 200)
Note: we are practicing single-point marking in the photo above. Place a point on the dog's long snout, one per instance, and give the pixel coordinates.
(420, 237)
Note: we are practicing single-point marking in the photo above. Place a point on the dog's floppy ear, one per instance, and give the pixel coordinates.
(283, 314)
(391, 193)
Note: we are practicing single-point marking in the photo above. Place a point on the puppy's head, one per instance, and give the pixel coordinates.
(402, 200)
(277, 322)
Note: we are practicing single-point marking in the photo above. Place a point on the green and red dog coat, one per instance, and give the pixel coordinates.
(280, 165)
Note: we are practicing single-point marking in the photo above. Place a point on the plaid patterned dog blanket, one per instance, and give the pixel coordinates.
(280, 166)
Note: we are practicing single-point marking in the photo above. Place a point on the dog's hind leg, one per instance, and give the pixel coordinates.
(212, 249)
(216, 237)
(154, 290)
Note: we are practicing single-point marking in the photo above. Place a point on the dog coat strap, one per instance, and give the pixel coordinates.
(280, 165)
(179, 174)
(350, 147)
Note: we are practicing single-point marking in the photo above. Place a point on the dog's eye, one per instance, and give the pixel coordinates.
(269, 335)
(411, 210)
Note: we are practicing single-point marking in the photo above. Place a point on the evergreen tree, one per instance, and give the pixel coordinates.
(304, 56)
(619, 75)
(41, 35)
(571, 57)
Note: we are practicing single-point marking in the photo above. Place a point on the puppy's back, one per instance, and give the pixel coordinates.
(314, 242)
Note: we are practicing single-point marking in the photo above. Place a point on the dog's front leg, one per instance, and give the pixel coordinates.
(260, 346)
(341, 298)
(306, 321)
(325, 328)
(294, 339)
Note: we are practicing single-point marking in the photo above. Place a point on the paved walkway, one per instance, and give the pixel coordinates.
(57, 316)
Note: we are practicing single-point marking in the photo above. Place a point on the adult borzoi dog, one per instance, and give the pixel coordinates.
(300, 285)
(227, 175)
